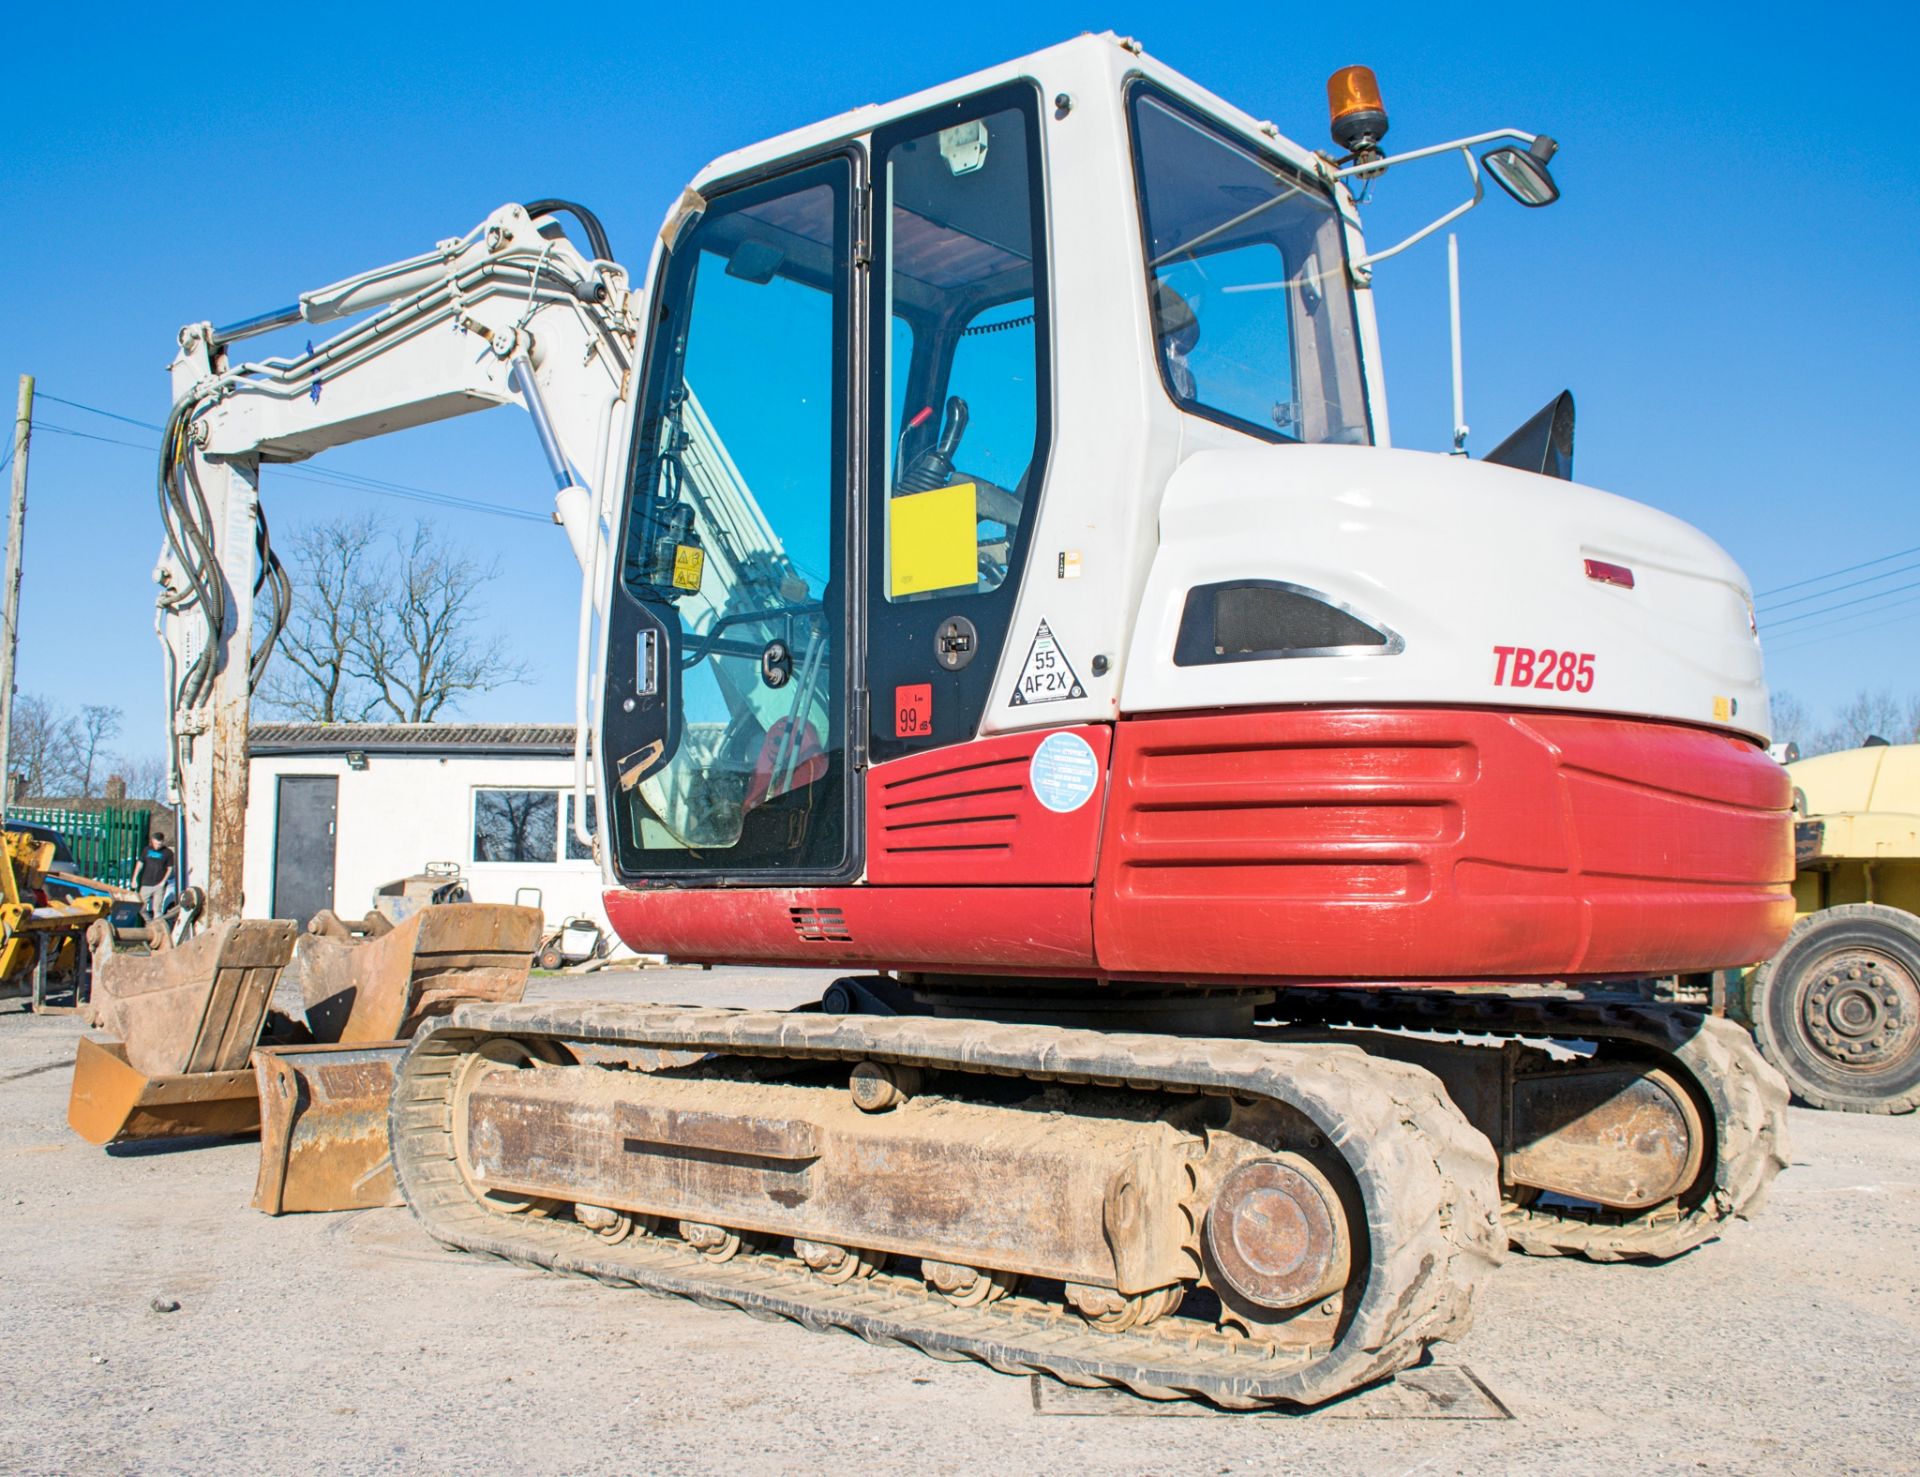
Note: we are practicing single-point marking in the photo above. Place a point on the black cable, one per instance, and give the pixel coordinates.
(589, 222)
(978, 329)
(1885, 574)
(1814, 579)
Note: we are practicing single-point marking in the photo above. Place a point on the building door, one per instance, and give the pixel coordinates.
(303, 845)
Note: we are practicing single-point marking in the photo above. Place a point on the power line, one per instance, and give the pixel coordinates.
(1814, 579)
(1849, 631)
(327, 476)
(1843, 604)
(1870, 579)
(112, 415)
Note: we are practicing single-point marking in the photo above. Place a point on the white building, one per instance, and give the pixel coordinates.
(334, 810)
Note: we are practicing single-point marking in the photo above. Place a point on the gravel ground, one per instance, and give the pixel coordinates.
(351, 1344)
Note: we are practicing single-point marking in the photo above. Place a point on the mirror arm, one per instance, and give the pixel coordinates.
(1378, 166)
(1361, 267)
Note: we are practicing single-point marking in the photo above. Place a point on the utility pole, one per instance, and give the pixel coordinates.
(10, 590)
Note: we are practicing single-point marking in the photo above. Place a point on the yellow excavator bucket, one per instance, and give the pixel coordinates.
(187, 1019)
(323, 1109)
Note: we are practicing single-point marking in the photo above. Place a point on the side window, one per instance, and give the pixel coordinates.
(1246, 274)
(1245, 358)
(959, 271)
(515, 825)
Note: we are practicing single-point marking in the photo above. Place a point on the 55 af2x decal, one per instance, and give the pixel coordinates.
(1544, 668)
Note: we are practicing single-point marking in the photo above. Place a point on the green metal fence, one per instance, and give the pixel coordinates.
(106, 843)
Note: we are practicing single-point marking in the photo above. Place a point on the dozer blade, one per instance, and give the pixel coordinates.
(111, 1102)
(379, 989)
(323, 1127)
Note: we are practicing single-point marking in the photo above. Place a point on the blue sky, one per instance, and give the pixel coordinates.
(1727, 286)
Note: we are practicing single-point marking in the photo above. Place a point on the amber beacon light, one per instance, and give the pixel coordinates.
(1355, 112)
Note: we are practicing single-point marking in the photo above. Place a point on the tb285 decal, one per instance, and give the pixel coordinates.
(1544, 668)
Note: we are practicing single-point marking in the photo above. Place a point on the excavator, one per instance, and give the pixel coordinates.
(999, 587)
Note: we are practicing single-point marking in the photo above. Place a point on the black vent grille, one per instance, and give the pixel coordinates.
(821, 925)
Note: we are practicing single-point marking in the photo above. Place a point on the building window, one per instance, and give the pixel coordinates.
(575, 851)
(516, 825)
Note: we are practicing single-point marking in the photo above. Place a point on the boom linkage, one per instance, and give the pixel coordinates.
(510, 313)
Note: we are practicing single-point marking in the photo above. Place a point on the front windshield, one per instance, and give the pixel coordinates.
(1253, 315)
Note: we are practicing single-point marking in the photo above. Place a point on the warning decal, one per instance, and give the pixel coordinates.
(1045, 676)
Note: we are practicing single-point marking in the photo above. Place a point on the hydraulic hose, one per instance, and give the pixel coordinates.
(589, 222)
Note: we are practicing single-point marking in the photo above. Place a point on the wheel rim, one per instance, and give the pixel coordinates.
(1859, 1010)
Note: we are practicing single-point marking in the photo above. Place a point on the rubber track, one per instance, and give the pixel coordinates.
(1747, 1095)
(1428, 1179)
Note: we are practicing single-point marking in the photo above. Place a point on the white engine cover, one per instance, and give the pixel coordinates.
(1459, 559)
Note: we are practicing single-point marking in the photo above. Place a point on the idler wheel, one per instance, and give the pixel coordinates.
(1276, 1235)
(498, 1054)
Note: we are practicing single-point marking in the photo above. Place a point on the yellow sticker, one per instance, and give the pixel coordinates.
(933, 541)
(689, 564)
(1722, 710)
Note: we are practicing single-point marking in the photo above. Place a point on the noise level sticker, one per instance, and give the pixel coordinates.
(1045, 676)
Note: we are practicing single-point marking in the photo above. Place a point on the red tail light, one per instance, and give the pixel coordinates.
(1610, 574)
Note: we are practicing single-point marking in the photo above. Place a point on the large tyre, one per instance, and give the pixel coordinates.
(1837, 1010)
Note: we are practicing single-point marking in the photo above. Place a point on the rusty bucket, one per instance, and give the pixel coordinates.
(188, 1018)
(323, 1109)
(323, 1127)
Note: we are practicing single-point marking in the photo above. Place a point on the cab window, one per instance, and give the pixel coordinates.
(961, 247)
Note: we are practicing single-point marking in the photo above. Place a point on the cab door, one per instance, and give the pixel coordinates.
(729, 676)
(961, 408)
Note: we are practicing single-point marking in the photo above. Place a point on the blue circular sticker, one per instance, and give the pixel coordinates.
(1064, 772)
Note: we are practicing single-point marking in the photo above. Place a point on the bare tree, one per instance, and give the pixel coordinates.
(336, 578)
(1792, 722)
(96, 727)
(416, 645)
(1867, 714)
(145, 775)
(383, 634)
(44, 747)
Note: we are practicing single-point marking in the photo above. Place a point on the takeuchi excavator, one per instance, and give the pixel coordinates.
(999, 587)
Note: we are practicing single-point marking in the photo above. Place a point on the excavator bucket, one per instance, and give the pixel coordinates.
(323, 1109)
(379, 988)
(323, 1127)
(188, 1018)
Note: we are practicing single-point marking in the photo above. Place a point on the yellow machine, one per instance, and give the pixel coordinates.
(1837, 1009)
(42, 933)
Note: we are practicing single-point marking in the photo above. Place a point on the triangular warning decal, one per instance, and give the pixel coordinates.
(1046, 676)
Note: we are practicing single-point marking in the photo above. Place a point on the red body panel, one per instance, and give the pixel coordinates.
(1371, 845)
(1428, 843)
(1021, 930)
(969, 814)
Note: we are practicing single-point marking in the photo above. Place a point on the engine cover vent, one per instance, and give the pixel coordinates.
(821, 925)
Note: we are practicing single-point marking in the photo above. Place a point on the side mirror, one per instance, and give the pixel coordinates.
(1524, 175)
